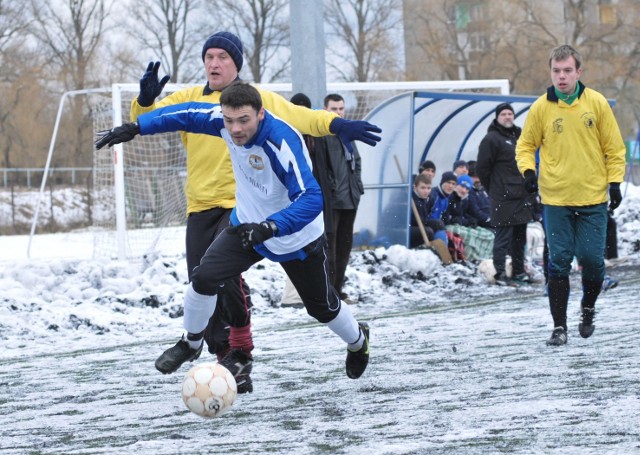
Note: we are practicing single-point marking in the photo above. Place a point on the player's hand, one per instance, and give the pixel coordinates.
(355, 130)
(615, 196)
(150, 86)
(252, 233)
(530, 181)
(122, 133)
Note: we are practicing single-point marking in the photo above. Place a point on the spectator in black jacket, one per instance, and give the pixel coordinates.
(463, 217)
(344, 168)
(511, 208)
(479, 193)
(461, 209)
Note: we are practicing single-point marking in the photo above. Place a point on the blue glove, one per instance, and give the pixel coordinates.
(355, 130)
(530, 181)
(615, 196)
(150, 87)
(253, 233)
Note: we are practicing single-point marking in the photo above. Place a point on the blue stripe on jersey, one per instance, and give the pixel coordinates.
(202, 118)
(302, 188)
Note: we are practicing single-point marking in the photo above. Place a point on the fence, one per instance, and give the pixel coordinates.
(31, 177)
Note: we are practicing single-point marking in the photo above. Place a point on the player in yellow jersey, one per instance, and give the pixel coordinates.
(582, 158)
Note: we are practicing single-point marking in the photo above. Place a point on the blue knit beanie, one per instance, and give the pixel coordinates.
(227, 41)
(465, 181)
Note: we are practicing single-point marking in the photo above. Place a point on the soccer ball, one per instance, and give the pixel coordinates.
(209, 390)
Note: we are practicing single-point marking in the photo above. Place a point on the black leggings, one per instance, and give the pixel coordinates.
(226, 258)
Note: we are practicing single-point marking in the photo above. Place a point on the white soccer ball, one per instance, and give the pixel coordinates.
(209, 390)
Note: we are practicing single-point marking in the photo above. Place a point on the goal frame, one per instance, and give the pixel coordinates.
(118, 89)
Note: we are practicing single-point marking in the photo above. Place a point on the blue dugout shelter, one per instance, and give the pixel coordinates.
(439, 126)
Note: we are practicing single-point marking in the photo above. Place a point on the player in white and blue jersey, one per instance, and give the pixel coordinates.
(278, 214)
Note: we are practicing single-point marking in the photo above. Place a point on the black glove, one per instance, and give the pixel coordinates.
(615, 196)
(472, 222)
(355, 130)
(122, 133)
(530, 181)
(150, 87)
(253, 233)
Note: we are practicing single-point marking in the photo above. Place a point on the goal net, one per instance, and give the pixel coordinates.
(139, 205)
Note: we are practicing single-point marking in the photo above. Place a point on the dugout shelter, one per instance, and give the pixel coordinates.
(438, 126)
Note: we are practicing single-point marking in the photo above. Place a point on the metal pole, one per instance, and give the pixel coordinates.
(308, 66)
(118, 164)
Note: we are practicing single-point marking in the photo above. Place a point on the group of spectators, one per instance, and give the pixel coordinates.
(483, 201)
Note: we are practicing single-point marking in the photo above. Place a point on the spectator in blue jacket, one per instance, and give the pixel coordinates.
(439, 198)
(435, 229)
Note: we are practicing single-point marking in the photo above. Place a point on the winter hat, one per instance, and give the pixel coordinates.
(501, 107)
(465, 181)
(300, 99)
(448, 177)
(472, 168)
(227, 41)
(459, 163)
(427, 165)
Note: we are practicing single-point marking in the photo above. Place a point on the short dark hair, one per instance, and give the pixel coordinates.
(563, 52)
(472, 168)
(300, 99)
(241, 94)
(332, 97)
(422, 178)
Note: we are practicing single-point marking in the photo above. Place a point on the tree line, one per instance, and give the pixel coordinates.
(48, 47)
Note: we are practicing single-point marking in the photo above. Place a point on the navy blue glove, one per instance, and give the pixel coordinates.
(122, 133)
(253, 233)
(615, 196)
(530, 181)
(355, 130)
(150, 87)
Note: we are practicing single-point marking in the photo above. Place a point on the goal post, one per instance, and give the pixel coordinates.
(138, 200)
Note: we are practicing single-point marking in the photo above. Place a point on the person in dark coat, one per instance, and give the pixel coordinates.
(343, 170)
(434, 229)
(461, 208)
(511, 208)
(480, 196)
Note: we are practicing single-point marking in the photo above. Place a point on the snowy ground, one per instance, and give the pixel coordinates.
(458, 366)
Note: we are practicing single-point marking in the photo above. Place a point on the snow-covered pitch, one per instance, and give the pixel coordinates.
(457, 365)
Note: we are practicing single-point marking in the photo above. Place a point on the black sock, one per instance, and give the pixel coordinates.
(558, 300)
(590, 292)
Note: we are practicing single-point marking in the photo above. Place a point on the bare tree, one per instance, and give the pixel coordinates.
(365, 33)
(13, 22)
(69, 37)
(263, 27)
(165, 28)
(23, 99)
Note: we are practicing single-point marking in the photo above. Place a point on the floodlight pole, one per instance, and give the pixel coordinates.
(308, 65)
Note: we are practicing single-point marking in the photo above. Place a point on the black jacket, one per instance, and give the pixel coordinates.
(344, 176)
(463, 212)
(496, 167)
